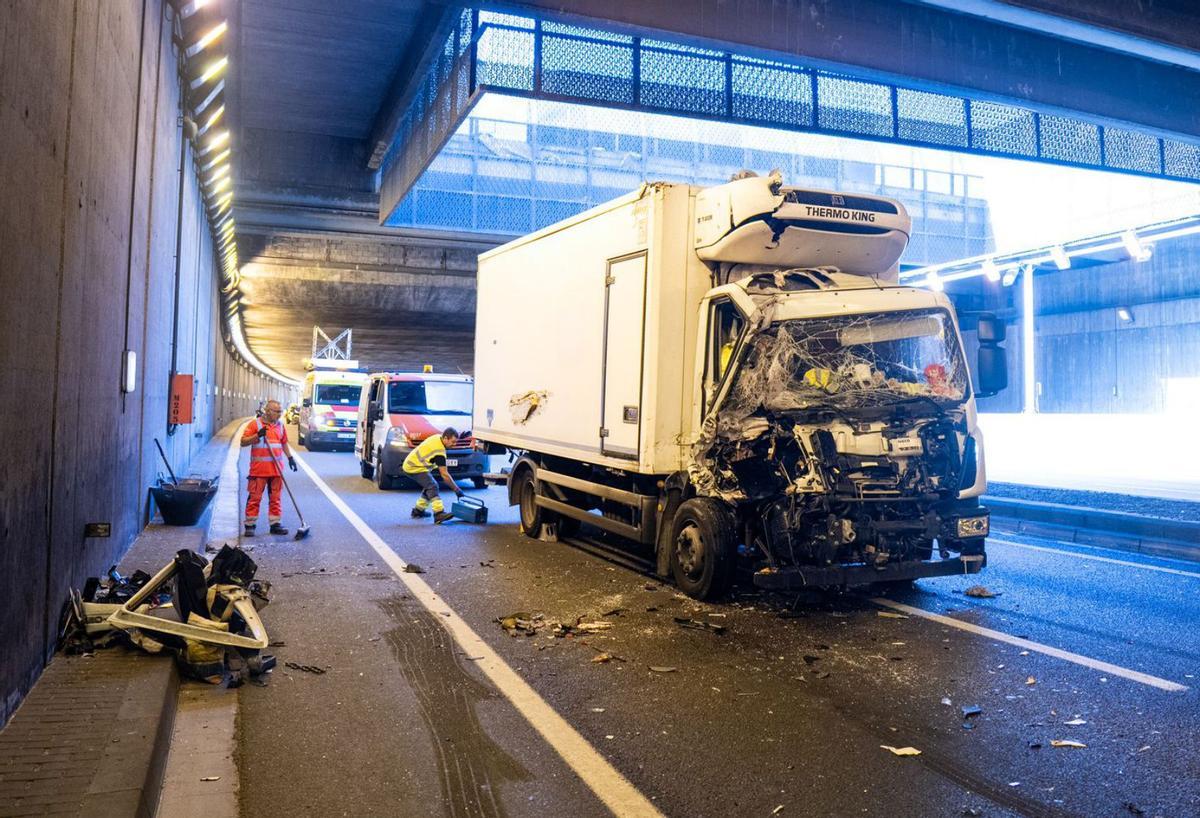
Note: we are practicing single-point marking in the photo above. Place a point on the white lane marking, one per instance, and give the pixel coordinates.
(1057, 653)
(1077, 555)
(612, 788)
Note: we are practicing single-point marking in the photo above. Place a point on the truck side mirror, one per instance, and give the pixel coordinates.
(308, 401)
(992, 366)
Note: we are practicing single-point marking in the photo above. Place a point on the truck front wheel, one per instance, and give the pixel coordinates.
(532, 515)
(702, 548)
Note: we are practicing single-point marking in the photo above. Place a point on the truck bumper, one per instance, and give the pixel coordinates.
(794, 578)
(468, 464)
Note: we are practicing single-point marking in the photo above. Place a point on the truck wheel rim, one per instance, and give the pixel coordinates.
(689, 551)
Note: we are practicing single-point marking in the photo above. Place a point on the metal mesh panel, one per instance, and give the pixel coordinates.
(1070, 140)
(677, 80)
(1131, 150)
(926, 117)
(1181, 159)
(587, 69)
(853, 106)
(505, 58)
(771, 92)
(1003, 129)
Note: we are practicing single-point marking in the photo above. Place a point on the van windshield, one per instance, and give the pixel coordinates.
(337, 393)
(430, 397)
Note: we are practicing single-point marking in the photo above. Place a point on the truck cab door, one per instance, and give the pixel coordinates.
(368, 422)
(624, 335)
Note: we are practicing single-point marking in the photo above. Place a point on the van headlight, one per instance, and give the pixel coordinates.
(396, 437)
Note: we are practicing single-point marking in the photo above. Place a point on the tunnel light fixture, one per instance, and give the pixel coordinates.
(990, 271)
(216, 160)
(221, 208)
(1125, 314)
(213, 119)
(220, 185)
(217, 174)
(227, 196)
(210, 72)
(1010, 275)
(1133, 245)
(217, 140)
(1060, 258)
(188, 9)
(209, 37)
(202, 106)
(934, 282)
(223, 222)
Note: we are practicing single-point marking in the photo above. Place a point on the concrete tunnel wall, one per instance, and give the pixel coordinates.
(89, 148)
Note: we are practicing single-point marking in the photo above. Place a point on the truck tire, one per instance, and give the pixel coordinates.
(366, 469)
(382, 480)
(702, 548)
(532, 515)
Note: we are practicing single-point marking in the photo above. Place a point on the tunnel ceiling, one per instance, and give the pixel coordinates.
(317, 90)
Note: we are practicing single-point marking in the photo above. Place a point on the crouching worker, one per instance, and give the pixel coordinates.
(419, 465)
(267, 439)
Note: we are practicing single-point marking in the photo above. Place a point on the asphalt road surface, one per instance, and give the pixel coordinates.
(427, 706)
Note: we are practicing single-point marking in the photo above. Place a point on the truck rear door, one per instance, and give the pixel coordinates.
(624, 330)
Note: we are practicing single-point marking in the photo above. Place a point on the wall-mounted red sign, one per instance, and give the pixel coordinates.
(181, 399)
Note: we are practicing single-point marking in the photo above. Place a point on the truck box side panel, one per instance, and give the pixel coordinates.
(539, 338)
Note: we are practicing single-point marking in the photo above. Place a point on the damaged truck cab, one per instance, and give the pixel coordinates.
(733, 377)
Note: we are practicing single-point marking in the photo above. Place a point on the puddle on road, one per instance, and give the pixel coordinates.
(471, 765)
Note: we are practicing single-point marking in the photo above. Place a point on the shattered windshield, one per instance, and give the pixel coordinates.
(850, 362)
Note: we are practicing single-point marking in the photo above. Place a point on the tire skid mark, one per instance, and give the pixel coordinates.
(471, 766)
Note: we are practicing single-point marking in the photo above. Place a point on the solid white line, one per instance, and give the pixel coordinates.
(1095, 664)
(612, 788)
(1077, 555)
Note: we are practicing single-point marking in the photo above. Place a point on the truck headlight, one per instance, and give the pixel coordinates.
(969, 527)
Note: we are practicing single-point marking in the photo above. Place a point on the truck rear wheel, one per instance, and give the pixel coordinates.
(702, 548)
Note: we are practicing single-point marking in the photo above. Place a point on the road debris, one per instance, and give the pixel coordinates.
(900, 751)
(211, 778)
(981, 592)
(1030, 680)
(663, 669)
(601, 658)
(969, 712)
(891, 615)
(522, 623)
(1066, 742)
(597, 709)
(699, 625)
(1132, 808)
(777, 810)
(1075, 722)
(306, 668)
(412, 568)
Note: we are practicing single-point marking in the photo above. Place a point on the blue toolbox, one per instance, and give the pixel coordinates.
(470, 509)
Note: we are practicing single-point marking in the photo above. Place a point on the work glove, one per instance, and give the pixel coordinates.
(292, 463)
(262, 433)
(458, 492)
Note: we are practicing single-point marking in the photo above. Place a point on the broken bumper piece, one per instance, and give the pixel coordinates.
(793, 578)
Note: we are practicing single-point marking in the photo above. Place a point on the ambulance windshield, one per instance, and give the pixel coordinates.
(430, 397)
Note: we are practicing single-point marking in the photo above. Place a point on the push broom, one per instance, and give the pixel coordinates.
(303, 529)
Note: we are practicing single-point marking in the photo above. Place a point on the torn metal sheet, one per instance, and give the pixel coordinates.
(524, 406)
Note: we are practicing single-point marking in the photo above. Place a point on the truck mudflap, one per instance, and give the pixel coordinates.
(812, 576)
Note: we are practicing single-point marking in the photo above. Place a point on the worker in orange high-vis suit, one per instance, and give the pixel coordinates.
(267, 439)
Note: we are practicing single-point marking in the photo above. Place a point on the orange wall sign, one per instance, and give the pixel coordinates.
(181, 399)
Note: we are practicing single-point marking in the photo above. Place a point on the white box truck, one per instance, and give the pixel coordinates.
(732, 376)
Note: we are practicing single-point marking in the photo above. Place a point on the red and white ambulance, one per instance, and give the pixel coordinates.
(329, 409)
(400, 409)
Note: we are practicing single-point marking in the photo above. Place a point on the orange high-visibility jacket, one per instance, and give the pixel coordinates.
(261, 458)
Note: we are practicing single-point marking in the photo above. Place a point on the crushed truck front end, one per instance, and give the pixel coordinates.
(841, 431)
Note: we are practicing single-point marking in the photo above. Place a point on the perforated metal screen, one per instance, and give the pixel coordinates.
(513, 55)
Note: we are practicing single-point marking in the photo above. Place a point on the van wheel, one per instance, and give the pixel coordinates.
(300, 436)
(382, 480)
(532, 515)
(366, 469)
(702, 548)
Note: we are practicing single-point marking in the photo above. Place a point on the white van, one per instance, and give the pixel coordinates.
(329, 409)
(400, 409)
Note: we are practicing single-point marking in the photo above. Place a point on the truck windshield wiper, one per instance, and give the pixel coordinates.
(938, 408)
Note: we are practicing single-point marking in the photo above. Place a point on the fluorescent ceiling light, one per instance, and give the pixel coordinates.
(220, 157)
(934, 282)
(1137, 251)
(990, 271)
(1060, 258)
(214, 68)
(213, 119)
(208, 39)
(1125, 314)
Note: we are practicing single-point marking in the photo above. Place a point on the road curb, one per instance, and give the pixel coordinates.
(1152, 536)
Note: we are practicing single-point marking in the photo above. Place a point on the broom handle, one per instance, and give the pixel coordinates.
(163, 455)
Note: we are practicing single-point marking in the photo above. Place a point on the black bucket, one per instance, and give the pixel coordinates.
(184, 502)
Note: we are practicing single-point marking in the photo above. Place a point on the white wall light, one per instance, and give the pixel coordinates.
(1060, 258)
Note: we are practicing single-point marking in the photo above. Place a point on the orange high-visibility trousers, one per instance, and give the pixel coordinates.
(274, 485)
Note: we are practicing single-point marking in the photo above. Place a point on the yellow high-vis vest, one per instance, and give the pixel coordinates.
(421, 458)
